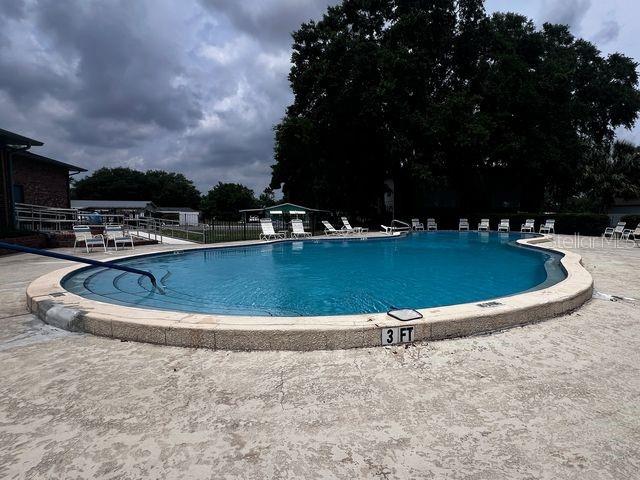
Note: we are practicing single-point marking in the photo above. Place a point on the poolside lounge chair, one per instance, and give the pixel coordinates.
(529, 226)
(329, 230)
(628, 233)
(483, 226)
(82, 234)
(416, 225)
(463, 225)
(431, 224)
(268, 233)
(297, 229)
(613, 232)
(346, 227)
(549, 226)
(115, 234)
(504, 225)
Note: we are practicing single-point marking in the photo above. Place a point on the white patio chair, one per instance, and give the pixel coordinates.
(82, 234)
(628, 233)
(346, 227)
(329, 230)
(431, 224)
(483, 226)
(416, 225)
(463, 225)
(504, 225)
(116, 234)
(549, 226)
(613, 232)
(529, 226)
(297, 229)
(268, 233)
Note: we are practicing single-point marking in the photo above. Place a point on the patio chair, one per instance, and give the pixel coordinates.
(613, 232)
(416, 225)
(431, 224)
(628, 233)
(297, 229)
(549, 226)
(268, 233)
(329, 230)
(504, 225)
(483, 226)
(463, 225)
(82, 234)
(529, 226)
(116, 234)
(346, 227)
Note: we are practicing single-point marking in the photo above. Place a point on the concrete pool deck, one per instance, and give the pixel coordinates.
(557, 399)
(58, 307)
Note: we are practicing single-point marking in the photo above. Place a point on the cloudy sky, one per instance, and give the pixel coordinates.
(193, 86)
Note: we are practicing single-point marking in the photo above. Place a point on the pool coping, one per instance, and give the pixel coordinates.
(47, 299)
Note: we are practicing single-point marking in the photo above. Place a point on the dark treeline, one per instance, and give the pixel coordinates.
(169, 189)
(460, 109)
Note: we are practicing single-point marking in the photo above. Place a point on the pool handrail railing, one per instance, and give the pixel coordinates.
(73, 258)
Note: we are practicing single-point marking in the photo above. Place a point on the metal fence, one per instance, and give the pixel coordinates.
(230, 231)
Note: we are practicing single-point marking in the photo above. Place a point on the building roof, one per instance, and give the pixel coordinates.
(51, 161)
(176, 210)
(283, 207)
(11, 138)
(114, 204)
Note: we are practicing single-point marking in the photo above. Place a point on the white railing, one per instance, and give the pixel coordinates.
(39, 218)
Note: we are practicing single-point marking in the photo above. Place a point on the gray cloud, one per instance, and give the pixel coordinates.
(609, 32)
(12, 9)
(269, 20)
(567, 12)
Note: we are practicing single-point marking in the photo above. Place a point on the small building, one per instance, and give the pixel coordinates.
(26, 177)
(125, 208)
(282, 214)
(182, 215)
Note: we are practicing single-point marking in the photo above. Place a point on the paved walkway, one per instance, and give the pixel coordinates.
(559, 399)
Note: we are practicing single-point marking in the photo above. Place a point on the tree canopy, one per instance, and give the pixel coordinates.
(166, 189)
(224, 200)
(457, 107)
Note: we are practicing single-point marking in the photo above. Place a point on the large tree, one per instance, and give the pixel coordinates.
(449, 103)
(224, 200)
(165, 189)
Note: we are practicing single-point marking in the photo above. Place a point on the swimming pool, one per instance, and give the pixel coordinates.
(328, 277)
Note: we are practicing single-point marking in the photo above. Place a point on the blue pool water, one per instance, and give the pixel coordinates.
(328, 277)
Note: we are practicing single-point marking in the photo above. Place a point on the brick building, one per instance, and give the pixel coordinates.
(26, 177)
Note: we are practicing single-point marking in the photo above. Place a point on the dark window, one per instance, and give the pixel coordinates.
(18, 194)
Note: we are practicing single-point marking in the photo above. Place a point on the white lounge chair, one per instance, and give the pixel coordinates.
(329, 230)
(613, 232)
(431, 224)
(82, 234)
(628, 233)
(416, 224)
(268, 233)
(463, 225)
(297, 229)
(346, 227)
(115, 234)
(549, 226)
(504, 225)
(483, 226)
(529, 226)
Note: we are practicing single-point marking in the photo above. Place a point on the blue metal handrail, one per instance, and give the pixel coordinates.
(73, 258)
